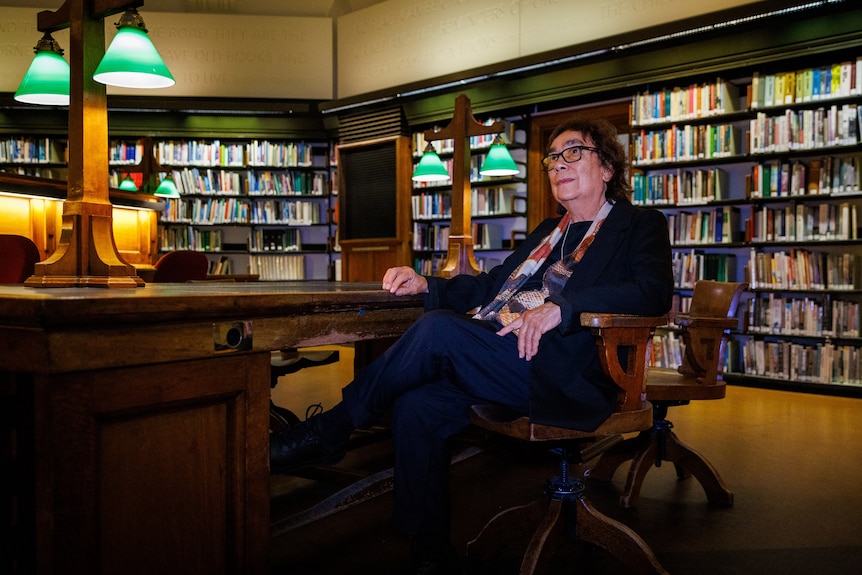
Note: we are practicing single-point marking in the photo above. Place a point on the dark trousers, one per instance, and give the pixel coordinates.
(429, 378)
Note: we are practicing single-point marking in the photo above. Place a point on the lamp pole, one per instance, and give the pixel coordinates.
(86, 254)
(459, 256)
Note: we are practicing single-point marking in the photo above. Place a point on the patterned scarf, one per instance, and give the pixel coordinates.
(509, 303)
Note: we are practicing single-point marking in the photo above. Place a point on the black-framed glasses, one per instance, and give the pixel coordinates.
(569, 155)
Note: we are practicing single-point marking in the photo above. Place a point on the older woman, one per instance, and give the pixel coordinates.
(524, 348)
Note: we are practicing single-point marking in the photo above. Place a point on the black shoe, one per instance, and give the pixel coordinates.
(306, 444)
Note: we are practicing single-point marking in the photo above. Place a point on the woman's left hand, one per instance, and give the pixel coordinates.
(531, 325)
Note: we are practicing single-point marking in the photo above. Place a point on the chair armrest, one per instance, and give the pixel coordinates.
(624, 343)
(692, 322)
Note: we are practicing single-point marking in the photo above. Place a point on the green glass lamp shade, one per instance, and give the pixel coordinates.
(430, 168)
(167, 188)
(131, 61)
(128, 184)
(47, 80)
(498, 161)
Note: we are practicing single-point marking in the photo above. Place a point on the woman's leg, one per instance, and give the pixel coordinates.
(442, 346)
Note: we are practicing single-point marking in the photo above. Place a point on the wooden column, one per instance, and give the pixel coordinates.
(87, 254)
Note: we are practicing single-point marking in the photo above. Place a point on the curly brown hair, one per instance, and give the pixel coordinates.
(611, 153)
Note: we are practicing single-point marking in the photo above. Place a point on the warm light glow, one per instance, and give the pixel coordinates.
(498, 161)
(430, 168)
(131, 61)
(47, 80)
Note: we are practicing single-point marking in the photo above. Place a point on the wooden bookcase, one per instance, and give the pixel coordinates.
(262, 207)
(761, 180)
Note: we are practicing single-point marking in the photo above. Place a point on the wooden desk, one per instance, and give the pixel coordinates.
(140, 428)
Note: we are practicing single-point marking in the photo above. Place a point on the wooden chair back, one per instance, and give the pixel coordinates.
(181, 266)
(18, 258)
(711, 314)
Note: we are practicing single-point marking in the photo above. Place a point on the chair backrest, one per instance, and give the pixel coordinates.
(711, 315)
(18, 258)
(181, 266)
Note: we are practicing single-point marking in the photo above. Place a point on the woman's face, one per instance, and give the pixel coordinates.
(582, 181)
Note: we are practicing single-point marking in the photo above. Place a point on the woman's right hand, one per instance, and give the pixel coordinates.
(404, 280)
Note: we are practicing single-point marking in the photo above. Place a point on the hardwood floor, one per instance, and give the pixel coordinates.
(793, 461)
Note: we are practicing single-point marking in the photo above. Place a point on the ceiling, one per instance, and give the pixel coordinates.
(314, 8)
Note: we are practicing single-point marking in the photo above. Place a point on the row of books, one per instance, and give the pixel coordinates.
(288, 212)
(803, 223)
(487, 236)
(431, 205)
(270, 183)
(206, 211)
(497, 201)
(28, 151)
(803, 270)
(428, 237)
(122, 152)
(221, 267)
(836, 80)
(802, 316)
(189, 238)
(289, 240)
(804, 129)
(685, 102)
(825, 363)
(274, 268)
(712, 226)
(429, 266)
(679, 187)
(827, 175)
(207, 181)
(685, 143)
(667, 350)
(233, 154)
(688, 267)
(266, 153)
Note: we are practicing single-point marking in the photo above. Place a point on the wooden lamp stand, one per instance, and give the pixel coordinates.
(86, 255)
(459, 258)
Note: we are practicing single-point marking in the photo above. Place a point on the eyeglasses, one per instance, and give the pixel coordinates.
(569, 155)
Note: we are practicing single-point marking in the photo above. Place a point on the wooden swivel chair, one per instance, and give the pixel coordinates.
(712, 313)
(181, 266)
(18, 258)
(619, 338)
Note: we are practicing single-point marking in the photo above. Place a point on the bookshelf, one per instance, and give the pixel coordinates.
(36, 156)
(260, 207)
(761, 181)
(498, 204)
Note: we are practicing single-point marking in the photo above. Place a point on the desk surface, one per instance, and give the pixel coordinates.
(159, 302)
(51, 330)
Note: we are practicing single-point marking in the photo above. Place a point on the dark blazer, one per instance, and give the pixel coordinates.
(627, 269)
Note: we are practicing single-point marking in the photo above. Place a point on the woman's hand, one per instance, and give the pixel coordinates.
(531, 326)
(404, 280)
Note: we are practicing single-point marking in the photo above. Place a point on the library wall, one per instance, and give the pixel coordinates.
(218, 55)
(402, 41)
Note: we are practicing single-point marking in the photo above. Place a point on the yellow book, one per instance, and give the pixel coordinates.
(789, 87)
(778, 91)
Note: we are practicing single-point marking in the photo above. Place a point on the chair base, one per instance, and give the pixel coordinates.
(652, 447)
(567, 516)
